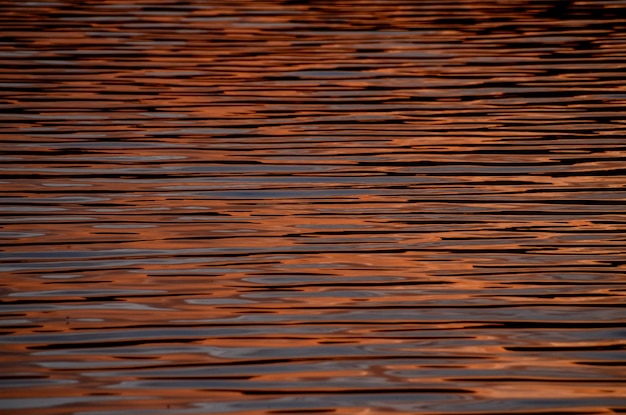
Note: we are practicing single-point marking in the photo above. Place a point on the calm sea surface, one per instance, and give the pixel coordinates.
(325, 206)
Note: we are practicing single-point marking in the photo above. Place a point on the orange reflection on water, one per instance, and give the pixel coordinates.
(288, 207)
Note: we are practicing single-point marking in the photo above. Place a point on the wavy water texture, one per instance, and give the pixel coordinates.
(290, 206)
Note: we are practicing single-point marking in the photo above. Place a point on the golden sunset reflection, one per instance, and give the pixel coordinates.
(311, 206)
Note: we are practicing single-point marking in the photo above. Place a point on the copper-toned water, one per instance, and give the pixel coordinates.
(287, 207)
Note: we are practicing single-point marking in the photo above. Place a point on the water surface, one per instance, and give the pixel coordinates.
(287, 207)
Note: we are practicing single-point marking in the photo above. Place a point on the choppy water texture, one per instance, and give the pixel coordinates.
(288, 207)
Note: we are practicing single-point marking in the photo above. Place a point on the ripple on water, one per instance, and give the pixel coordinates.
(329, 207)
